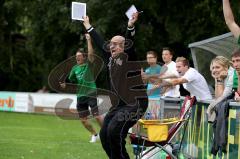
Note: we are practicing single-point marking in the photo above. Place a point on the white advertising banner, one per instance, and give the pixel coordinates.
(41, 102)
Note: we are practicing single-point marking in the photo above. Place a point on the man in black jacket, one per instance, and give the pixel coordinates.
(128, 105)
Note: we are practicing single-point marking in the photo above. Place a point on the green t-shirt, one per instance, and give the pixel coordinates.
(83, 77)
(235, 80)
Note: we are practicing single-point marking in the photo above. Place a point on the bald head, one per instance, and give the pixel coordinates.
(117, 45)
(118, 38)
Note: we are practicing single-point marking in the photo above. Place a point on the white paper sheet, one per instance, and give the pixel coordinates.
(78, 10)
(130, 11)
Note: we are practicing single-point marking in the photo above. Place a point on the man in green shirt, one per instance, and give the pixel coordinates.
(235, 29)
(236, 79)
(82, 74)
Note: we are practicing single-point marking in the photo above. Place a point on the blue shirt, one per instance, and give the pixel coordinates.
(153, 71)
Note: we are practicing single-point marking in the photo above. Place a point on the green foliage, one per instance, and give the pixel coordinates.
(37, 35)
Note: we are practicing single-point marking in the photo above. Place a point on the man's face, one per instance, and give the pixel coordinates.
(236, 63)
(166, 56)
(151, 59)
(181, 69)
(80, 58)
(117, 45)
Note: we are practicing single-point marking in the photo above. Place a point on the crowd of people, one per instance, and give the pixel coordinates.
(162, 81)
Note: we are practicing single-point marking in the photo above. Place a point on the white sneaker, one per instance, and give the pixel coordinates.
(94, 138)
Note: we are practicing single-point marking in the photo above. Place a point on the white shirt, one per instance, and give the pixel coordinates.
(196, 85)
(174, 91)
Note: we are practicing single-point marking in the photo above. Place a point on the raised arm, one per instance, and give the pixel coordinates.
(171, 82)
(90, 48)
(130, 33)
(96, 62)
(95, 36)
(164, 76)
(132, 21)
(229, 19)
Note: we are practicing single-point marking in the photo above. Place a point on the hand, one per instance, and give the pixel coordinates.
(88, 37)
(210, 108)
(223, 75)
(211, 115)
(220, 76)
(237, 97)
(143, 74)
(86, 22)
(63, 85)
(133, 20)
(144, 77)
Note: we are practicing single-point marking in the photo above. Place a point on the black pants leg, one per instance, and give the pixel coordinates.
(103, 132)
(116, 126)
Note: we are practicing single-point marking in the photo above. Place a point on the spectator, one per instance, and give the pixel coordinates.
(167, 55)
(235, 29)
(229, 19)
(236, 79)
(222, 72)
(191, 79)
(153, 92)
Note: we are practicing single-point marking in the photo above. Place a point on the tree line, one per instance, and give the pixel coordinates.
(36, 35)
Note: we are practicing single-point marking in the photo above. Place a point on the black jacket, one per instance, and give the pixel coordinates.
(120, 83)
(220, 126)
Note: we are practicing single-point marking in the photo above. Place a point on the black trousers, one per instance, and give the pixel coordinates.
(115, 128)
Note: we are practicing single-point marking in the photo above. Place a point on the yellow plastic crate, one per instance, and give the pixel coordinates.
(157, 130)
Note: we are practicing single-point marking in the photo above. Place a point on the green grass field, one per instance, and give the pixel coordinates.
(33, 136)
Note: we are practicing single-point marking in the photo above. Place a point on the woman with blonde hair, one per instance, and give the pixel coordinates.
(222, 72)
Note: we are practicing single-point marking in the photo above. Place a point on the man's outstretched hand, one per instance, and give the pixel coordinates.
(86, 22)
(132, 21)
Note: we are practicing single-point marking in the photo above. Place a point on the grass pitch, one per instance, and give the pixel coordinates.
(28, 136)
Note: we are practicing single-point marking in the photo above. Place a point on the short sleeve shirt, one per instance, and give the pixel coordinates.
(196, 85)
(83, 77)
(153, 71)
